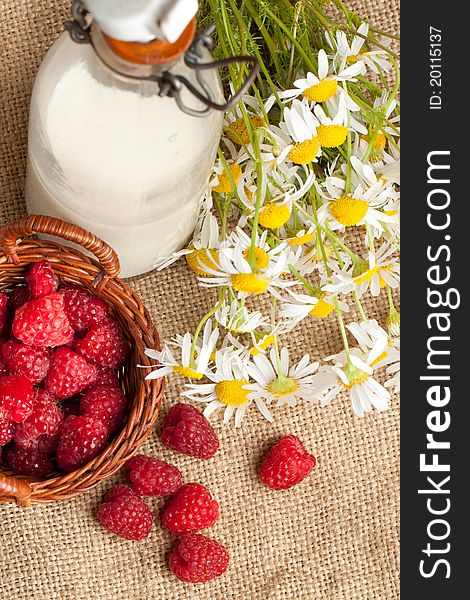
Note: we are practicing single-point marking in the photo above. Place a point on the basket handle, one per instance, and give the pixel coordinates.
(16, 488)
(56, 227)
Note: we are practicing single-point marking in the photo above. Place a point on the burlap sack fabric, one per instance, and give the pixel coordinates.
(334, 537)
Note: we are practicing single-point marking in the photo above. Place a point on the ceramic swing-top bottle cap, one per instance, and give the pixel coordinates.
(142, 20)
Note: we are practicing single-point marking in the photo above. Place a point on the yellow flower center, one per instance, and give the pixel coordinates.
(352, 58)
(224, 185)
(322, 309)
(348, 210)
(187, 372)
(249, 283)
(231, 393)
(274, 215)
(332, 136)
(238, 131)
(261, 257)
(369, 274)
(321, 91)
(380, 141)
(254, 351)
(282, 387)
(391, 213)
(301, 239)
(304, 152)
(205, 257)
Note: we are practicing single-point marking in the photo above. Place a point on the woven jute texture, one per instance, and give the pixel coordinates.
(333, 537)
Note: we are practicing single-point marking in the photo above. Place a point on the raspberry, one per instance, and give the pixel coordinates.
(6, 432)
(286, 464)
(47, 443)
(41, 279)
(81, 439)
(83, 308)
(107, 376)
(117, 492)
(105, 402)
(3, 367)
(191, 509)
(3, 311)
(43, 322)
(197, 558)
(30, 361)
(127, 515)
(19, 296)
(152, 477)
(16, 398)
(69, 373)
(28, 462)
(103, 345)
(186, 430)
(45, 419)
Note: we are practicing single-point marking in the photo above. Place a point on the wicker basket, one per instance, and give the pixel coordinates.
(100, 276)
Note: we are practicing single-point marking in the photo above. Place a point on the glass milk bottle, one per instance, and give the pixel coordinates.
(119, 141)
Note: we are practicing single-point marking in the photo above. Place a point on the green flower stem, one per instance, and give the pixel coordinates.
(360, 308)
(390, 300)
(263, 31)
(312, 290)
(201, 324)
(259, 188)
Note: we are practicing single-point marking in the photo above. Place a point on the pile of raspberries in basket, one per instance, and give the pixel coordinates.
(60, 351)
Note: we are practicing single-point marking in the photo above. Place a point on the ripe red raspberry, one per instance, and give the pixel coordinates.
(69, 373)
(127, 515)
(3, 311)
(286, 464)
(19, 296)
(6, 432)
(47, 443)
(43, 322)
(103, 345)
(197, 558)
(30, 361)
(83, 308)
(105, 402)
(28, 462)
(81, 439)
(16, 398)
(191, 509)
(107, 376)
(152, 477)
(3, 367)
(41, 279)
(186, 430)
(45, 419)
(117, 492)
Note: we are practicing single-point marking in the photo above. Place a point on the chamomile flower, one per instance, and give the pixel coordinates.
(275, 380)
(350, 54)
(303, 305)
(393, 366)
(298, 134)
(332, 132)
(227, 389)
(324, 85)
(358, 207)
(384, 270)
(193, 365)
(235, 124)
(236, 318)
(351, 374)
(235, 271)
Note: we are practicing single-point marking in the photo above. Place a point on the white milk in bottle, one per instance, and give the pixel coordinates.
(106, 152)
